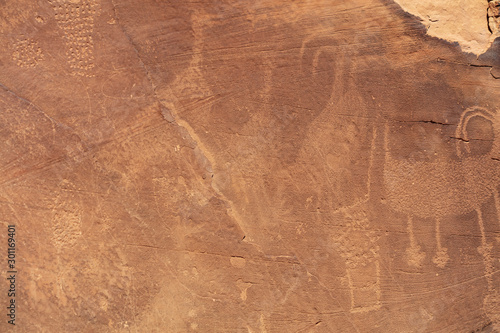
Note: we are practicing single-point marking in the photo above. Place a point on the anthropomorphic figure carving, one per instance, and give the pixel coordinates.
(424, 189)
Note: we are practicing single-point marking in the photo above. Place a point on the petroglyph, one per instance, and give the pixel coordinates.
(66, 221)
(76, 19)
(491, 306)
(451, 188)
(27, 53)
(243, 287)
(66, 228)
(448, 188)
(414, 254)
(441, 257)
(357, 244)
(224, 169)
(491, 303)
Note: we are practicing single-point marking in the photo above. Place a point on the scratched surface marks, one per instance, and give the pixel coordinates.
(247, 166)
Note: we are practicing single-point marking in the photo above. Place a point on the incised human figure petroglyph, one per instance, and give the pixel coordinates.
(443, 188)
(357, 245)
(424, 189)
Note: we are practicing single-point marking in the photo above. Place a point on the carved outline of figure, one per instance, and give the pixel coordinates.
(356, 242)
(437, 189)
(362, 259)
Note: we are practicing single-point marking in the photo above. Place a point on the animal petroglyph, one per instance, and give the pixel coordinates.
(76, 20)
(27, 53)
(437, 189)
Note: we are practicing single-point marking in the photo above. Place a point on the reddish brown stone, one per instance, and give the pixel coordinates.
(248, 166)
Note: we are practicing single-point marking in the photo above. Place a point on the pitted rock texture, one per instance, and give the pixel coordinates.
(249, 166)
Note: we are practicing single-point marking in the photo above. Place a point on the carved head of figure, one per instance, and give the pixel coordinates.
(464, 137)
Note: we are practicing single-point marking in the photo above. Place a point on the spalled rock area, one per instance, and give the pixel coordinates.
(250, 166)
(471, 24)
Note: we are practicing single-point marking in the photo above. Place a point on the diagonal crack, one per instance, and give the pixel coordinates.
(134, 47)
(172, 117)
(30, 103)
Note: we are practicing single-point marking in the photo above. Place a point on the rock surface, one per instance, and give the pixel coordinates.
(472, 24)
(249, 166)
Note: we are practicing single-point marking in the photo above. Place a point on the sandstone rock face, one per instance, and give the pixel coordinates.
(250, 166)
(472, 24)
